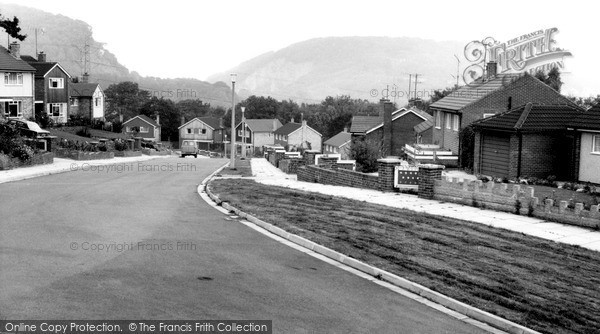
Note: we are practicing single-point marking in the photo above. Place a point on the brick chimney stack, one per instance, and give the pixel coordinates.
(388, 108)
(42, 57)
(15, 50)
(491, 69)
(85, 78)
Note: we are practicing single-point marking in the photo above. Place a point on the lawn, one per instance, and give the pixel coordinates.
(242, 168)
(570, 196)
(549, 287)
(69, 136)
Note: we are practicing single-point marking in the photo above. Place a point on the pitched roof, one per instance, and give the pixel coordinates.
(144, 118)
(10, 63)
(213, 122)
(362, 124)
(42, 68)
(28, 58)
(401, 112)
(540, 117)
(339, 139)
(288, 128)
(423, 126)
(263, 125)
(595, 108)
(82, 89)
(474, 91)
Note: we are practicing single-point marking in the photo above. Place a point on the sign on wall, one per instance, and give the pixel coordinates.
(406, 177)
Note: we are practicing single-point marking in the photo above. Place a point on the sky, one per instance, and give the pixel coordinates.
(218, 35)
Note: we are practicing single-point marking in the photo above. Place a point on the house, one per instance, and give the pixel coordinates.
(143, 126)
(483, 98)
(51, 88)
(393, 128)
(207, 131)
(259, 132)
(339, 144)
(18, 87)
(537, 140)
(87, 99)
(298, 135)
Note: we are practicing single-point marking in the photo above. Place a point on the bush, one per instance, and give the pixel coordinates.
(23, 153)
(83, 132)
(366, 152)
(121, 145)
(44, 120)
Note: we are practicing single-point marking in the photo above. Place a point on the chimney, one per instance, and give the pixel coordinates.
(388, 108)
(292, 120)
(15, 50)
(42, 57)
(304, 123)
(158, 119)
(182, 120)
(346, 129)
(221, 123)
(382, 111)
(85, 78)
(301, 117)
(491, 69)
(274, 124)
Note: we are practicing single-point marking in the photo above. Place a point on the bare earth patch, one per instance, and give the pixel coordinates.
(549, 287)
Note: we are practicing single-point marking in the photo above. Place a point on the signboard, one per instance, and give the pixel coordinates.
(406, 177)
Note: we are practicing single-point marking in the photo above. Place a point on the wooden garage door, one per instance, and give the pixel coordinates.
(495, 150)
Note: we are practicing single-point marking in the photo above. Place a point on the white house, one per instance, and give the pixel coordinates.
(17, 86)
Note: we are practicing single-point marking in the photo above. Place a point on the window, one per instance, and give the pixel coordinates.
(486, 115)
(596, 144)
(189, 131)
(15, 79)
(143, 129)
(203, 131)
(57, 83)
(56, 109)
(455, 122)
(448, 121)
(438, 119)
(74, 101)
(97, 102)
(13, 109)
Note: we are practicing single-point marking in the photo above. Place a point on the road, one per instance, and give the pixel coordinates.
(138, 242)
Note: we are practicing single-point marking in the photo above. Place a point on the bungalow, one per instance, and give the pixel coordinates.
(394, 129)
(538, 141)
(51, 88)
(259, 132)
(298, 135)
(17, 89)
(483, 98)
(143, 126)
(206, 131)
(87, 99)
(339, 144)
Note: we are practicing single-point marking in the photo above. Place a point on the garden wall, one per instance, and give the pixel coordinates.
(37, 159)
(127, 154)
(81, 155)
(338, 177)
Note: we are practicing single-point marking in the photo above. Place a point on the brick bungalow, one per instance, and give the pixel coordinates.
(538, 141)
(143, 126)
(392, 128)
(87, 99)
(483, 98)
(339, 144)
(298, 135)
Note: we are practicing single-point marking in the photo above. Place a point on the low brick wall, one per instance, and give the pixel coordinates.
(151, 152)
(340, 177)
(515, 199)
(290, 166)
(37, 159)
(80, 155)
(127, 154)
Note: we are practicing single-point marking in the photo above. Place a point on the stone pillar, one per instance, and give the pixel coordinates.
(386, 173)
(131, 144)
(138, 143)
(428, 173)
(328, 162)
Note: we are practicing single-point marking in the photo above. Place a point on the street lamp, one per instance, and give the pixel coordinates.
(232, 163)
(244, 133)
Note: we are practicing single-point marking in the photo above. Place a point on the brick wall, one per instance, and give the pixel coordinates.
(428, 174)
(340, 177)
(290, 166)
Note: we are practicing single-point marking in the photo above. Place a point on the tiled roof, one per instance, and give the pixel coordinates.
(473, 92)
(362, 124)
(82, 89)
(539, 117)
(213, 122)
(144, 118)
(339, 139)
(262, 125)
(42, 68)
(10, 63)
(424, 126)
(28, 59)
(288, 128)
(595, 108)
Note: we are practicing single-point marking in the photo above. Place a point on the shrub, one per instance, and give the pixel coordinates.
(366, 152)
(23, 153)
(120, 145)
(83, 132)
(44, 120)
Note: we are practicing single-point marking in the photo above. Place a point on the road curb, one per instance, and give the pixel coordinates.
(450, 303)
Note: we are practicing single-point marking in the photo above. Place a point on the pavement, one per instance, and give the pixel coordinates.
(265, 173)
(140, 243)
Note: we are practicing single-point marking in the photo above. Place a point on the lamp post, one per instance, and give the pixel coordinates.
(232, 163)
(244, 133)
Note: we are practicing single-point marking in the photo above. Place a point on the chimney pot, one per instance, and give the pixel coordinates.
(15, 50)
(42, 57)
(292, 120)
(491, 69)
(85, 78)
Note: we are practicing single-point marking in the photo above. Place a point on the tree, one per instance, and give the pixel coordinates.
(551, 79)
(169, 116)
(193, 108)
(586, 102)
(366, 152)
(124, 98)
(12, 27)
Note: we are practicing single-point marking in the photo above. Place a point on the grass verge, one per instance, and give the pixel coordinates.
(549, 287)
(242, 168)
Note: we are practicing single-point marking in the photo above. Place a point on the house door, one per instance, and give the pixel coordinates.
(495, 154)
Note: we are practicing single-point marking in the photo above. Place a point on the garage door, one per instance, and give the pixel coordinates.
(495, 149)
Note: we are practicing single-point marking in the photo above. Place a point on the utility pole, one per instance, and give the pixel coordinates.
(409, 86)
(232, 153)
(457, 68)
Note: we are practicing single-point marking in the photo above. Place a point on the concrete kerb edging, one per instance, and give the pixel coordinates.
(450, 303)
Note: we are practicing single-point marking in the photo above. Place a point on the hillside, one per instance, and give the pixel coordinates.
(315, 68)
(64, 40)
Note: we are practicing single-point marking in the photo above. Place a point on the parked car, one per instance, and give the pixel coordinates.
(28, 128)
(189, 147)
